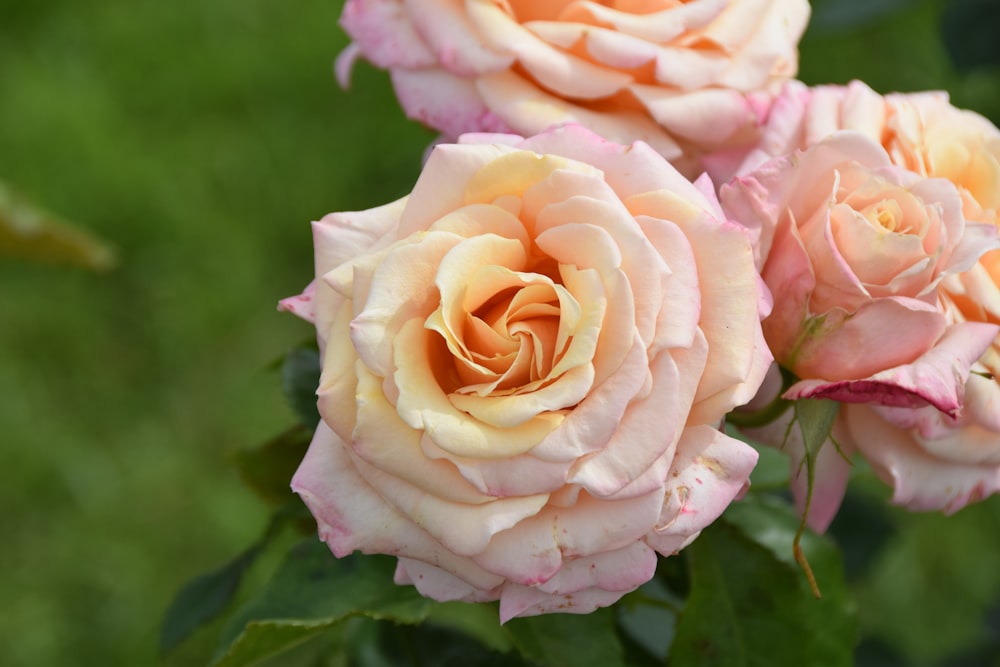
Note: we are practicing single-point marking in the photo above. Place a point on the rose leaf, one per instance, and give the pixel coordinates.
(750, 605)
(268, 468)
(312, 592)
(300, 373)
(558, 640)
(207, 595)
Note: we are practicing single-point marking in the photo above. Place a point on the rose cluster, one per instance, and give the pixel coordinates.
(527, 363)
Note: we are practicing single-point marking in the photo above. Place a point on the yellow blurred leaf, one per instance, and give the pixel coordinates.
(32, 233)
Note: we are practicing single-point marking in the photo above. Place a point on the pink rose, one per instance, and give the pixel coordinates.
(525, 365)
(853, 250)
(921, 132)
(934, 461)
(675, 75)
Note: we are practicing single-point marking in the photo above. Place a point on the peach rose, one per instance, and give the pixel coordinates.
(853, 250)
(921, 132)
(673, 74)
(525, 366)
(932, 460)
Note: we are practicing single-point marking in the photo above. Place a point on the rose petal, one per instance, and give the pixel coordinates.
(710, 470)
(937, 377)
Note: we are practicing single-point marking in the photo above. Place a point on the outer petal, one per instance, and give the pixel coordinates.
(352, 516)
(449, 104)
(920, 481)
(710, 471)
(583, 585)
(937, 377)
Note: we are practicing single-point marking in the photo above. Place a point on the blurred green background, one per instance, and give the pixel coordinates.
(200, 138)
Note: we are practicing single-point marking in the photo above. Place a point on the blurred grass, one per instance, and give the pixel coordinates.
(199, 137)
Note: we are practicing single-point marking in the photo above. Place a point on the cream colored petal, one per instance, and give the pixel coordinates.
(516, 172)
(341, 237)
(530, 110)
(445, 28)
(424, 405)
(383, 440)
(519, 475)
(461, 528)
(401, 290)
(492, 262)
(730, 316)
(439, 584)
(514, 410)
(352, 516)
(649, 428)
(608, 47)
(532, 552)
(338, 381)
(593, 422)
(710, 471)
(680, 310)
(440, 189)
(553, 68)
(610, 232)
(481, 219)
(628, 169)
(658, 27)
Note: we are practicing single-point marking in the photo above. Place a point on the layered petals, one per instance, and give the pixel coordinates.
(891, 312)
(525, 364)
(684, 77)
(854, 251)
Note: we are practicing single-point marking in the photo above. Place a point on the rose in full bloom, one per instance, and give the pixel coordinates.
(682, 76)
(854, 249)
(525, 364)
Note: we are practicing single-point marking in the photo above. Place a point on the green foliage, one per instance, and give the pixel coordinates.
(203, 598)
(312, 592)
(896, 46)
(268, 469)
(29, 232)
(429, 646)
(568, 640)
(927, 592)
(750, 605)
(207, 595)
(969, 28)
(479, 621)
(299, 380)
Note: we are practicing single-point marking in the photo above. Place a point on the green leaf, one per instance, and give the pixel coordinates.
(568, 640)
(428, 645)
(930, 589)
(299, 380)
(481, 621)
(207, 595)
(202, 599)
(815, 418)
(268, 469)
(310, 593)
(750, 605)
(32, 233)
(647, 618)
